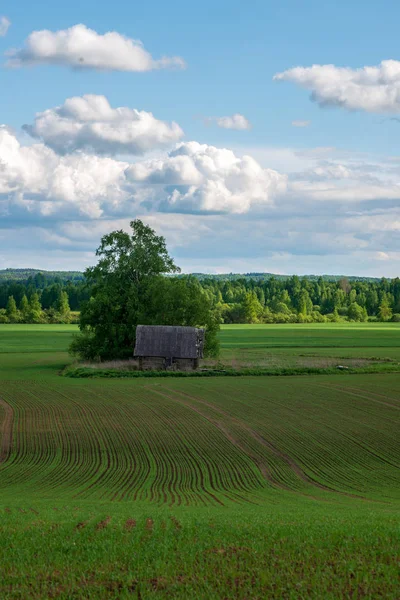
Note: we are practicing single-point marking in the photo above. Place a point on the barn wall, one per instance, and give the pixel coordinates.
(185, 364)
(152, 363)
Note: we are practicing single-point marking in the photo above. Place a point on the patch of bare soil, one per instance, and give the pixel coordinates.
(103, 524)
(176, 523)
(130, 524)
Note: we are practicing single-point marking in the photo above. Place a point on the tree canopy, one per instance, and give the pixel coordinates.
(127, 289)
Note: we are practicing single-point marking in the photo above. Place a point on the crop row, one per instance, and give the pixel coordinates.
(202, 442)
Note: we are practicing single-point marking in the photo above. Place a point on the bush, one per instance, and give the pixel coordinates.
(82, 346)
(396, 318)
(317, 317)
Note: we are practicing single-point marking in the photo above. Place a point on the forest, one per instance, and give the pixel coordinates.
(40, 297)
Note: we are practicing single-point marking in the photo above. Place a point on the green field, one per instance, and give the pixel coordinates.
(252, 487)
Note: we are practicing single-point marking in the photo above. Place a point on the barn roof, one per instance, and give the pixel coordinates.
(169, 342)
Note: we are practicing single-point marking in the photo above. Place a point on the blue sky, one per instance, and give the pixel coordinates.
(333, 205)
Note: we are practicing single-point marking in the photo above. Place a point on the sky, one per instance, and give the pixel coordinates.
(256, 137)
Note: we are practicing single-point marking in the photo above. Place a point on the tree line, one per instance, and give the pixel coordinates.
(52, 298)
(304, 300)
(42, 299)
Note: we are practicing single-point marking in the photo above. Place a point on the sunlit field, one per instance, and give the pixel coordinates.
(251, 487)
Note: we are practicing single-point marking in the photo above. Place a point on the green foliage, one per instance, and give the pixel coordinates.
(357, 312)
(95, 373)
(12, 312)
(62, 306)
(24, 308)
(252, 308)
(41, 277)
(35, 309)
(283, 299)
(385, 311)
(127, 290)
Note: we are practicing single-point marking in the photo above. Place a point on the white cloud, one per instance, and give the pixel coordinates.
(82, 47)
(90, 124)
(236, 121)
(208, 179)
(4, 26)
(371, 89)
(35, 182)
(301, 123)
(214, 206)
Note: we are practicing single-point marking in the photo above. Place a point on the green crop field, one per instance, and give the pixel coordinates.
(251, 487)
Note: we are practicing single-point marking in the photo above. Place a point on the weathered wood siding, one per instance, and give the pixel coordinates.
(169, 342)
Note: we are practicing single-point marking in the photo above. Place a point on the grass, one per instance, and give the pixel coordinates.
(304, 553)
(230, 371)
(247, 487)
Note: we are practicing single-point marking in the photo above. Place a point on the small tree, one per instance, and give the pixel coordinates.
(385, 312)
(357, 312)
(12, 311)
(252, 308)
(24, 308)
(62, 306)
(35, 309)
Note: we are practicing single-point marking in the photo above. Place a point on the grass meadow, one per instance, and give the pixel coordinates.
(250, 487)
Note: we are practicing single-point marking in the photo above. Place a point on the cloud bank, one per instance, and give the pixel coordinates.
(370, 89)
(220, 210)
(36, 182)
(84, 48)
(90, 124)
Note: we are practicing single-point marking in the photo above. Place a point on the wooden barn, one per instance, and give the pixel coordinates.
(160, 347)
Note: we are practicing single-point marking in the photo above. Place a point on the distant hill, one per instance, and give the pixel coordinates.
(24, 274)
(264, 276)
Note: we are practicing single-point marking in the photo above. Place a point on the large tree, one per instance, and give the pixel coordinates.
(127, 289)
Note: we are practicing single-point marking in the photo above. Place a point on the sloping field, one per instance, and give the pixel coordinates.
(202, 442)
(234, 488)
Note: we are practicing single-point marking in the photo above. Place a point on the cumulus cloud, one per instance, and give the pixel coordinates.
(90, 124)
(81, 47)
(341, 208)
(371, 89)
(301, 123)
(203, 178)
(36, 181)
(4, 26)
(236, 121)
